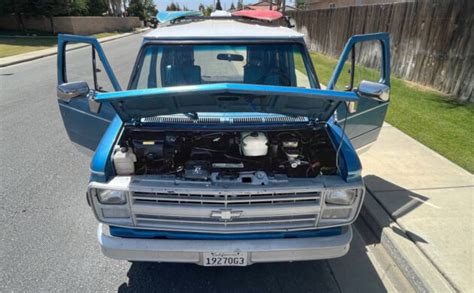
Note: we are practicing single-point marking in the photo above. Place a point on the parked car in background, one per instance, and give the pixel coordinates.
(224, 150)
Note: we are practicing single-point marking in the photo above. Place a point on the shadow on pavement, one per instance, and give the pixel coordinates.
(277, 277)
(396, 201)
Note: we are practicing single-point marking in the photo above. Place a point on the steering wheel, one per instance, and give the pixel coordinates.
(275, 71)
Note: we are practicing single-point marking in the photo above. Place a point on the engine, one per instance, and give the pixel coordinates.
(201, 155)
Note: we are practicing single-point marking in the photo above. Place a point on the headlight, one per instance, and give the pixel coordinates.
(341, 197)
(107, 196)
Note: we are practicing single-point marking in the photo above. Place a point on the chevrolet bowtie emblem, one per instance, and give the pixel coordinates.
(226, 214)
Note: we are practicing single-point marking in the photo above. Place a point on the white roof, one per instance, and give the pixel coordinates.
(208, 29)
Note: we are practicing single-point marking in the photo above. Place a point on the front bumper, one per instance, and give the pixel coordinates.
(191, 251)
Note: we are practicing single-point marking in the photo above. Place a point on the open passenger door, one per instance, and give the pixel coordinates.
(363, 68)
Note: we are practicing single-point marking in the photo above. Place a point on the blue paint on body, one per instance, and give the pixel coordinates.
(153, 234)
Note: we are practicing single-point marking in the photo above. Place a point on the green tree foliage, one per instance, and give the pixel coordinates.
(173, 7)
(142, 8)
(79, 7)
(232, 6)
(208, 11)
(218, 5)
(300, 4)
(98, 7)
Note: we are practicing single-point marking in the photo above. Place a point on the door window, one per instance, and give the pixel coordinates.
(84, 64)
(363, 63)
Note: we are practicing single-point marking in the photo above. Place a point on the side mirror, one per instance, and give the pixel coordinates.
(375, 90)
(71, 90)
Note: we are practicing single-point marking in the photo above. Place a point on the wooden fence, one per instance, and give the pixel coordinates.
(431, 41)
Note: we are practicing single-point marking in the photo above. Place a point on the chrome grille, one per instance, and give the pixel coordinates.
(225, 199)
(237, 225)
(257, 212)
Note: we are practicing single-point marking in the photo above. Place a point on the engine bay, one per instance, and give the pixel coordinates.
(202, 155)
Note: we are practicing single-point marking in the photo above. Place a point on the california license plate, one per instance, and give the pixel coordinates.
(220, 259)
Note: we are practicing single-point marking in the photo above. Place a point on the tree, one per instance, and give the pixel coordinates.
(208, 11)
(142, 8)
(201, 8)
(218, 5)
(97, 7)
(115, 7)
(232, 6)
(78, 7)
(300, 4)
(173, 7)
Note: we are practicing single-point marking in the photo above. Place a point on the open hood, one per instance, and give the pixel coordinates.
(315, 104)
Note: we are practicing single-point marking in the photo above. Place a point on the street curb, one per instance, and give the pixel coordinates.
(30, 56)
(416, 266)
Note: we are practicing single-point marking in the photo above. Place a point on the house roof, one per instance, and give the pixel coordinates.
(221, 29)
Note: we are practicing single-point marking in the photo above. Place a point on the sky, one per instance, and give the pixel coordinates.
(193, 4)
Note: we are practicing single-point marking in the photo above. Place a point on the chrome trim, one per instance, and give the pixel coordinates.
(258, 251)
(68, 91)
(168, 204)
(96, 172)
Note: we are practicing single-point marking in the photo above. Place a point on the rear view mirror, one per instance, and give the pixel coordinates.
(71, 90)
(375, 90)
(230, 57)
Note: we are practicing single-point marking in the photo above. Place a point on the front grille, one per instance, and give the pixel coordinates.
(250, 212)
(225, 199)
(237, 225)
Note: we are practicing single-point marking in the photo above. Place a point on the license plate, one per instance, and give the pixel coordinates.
(220, 259)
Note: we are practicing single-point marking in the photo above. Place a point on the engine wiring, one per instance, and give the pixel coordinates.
(303, 153)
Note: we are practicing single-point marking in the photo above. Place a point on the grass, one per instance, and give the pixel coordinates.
(432, 118)
(10, 45)
(13, 46)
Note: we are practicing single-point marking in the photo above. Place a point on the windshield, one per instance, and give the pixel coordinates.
(264, 64)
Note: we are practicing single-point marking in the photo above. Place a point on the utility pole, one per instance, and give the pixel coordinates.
(271, 4)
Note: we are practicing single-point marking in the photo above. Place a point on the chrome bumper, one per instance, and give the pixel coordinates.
(191, 251)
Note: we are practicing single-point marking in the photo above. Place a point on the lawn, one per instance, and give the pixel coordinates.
(432, 118)
(10, 45)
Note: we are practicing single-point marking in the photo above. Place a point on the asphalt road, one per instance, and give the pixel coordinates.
(47, 235)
